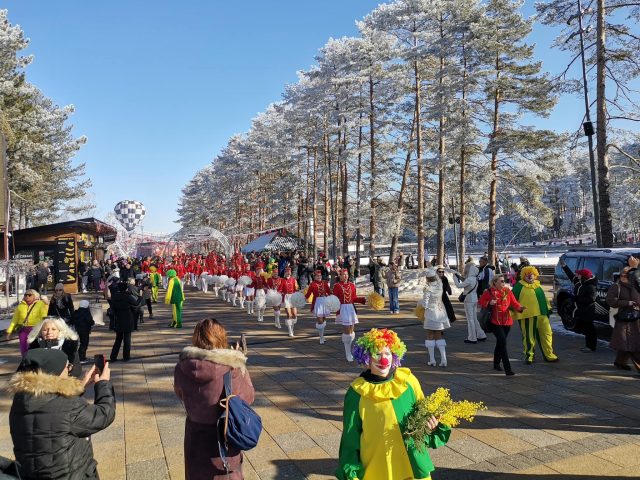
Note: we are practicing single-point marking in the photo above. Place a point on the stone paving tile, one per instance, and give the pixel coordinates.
(155, 469)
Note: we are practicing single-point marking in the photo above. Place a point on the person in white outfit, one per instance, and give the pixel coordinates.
(435, 318)
(470, 285)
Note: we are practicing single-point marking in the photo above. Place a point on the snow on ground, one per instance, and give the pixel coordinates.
(412, 286)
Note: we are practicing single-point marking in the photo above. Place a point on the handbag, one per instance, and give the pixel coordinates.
(484, 317)
(629, 315)
(239, 426)
(464, 295)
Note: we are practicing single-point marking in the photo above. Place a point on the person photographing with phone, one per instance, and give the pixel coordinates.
(50, 422)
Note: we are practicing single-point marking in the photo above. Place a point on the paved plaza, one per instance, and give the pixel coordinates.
(579, 418)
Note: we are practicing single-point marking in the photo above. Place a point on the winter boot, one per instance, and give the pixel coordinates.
(276, 318)
(261, 314)
(320, 327)
(242, 302)
(442, 346)
(289, 322)
(431, 347)
(234, 297)
(347, 340)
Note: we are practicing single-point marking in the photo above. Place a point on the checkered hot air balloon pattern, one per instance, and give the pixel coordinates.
(129, 213)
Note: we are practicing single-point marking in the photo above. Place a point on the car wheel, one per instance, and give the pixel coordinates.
(566, 314)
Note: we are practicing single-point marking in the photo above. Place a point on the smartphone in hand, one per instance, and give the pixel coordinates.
(99, 361)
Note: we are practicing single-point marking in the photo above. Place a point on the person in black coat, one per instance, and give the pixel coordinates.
(124, 307)
(96, 276)
(82, 321)
(585, 292)
(51, 423)
(61, 304)
(446, 291)
(54, 333)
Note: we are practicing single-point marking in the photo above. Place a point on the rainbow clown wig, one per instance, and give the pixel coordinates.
(373, 342)
(529, 269)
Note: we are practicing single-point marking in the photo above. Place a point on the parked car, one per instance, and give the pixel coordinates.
(605, 263)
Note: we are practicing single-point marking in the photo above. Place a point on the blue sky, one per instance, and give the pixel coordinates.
(159, 86)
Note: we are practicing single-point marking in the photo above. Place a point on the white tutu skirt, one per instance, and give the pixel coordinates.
(347, 315)
(249, 291)
(287, 301)
(320, 308)
(436, 319)
(238, 288)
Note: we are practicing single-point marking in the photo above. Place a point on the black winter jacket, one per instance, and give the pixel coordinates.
(585, 293)
(50, 424)
(124, 307)
(82, 320)
(66, 311)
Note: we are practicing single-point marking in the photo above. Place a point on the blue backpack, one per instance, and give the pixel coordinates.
(239, 426)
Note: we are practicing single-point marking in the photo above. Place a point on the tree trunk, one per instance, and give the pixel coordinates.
(440, 249)
(345, 199)
(326, 218)
(606, 227)
(372, 177)
(463, 169)
(493, 191)
(314, 204)
(358, 188)
(420, 179)
(403, 189)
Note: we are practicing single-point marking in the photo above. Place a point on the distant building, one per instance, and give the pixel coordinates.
(63, 245)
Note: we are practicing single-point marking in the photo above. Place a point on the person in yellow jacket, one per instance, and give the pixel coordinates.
(29, 312)
(534, 320)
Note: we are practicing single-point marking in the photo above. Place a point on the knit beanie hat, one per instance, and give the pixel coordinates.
(84, 304)
(47, 360)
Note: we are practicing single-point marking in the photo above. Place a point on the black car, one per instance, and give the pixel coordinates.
(605, 263)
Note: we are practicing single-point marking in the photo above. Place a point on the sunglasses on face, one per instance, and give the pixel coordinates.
(440, 271)
(28, 294)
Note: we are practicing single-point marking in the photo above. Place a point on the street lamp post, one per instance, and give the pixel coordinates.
(588, 128)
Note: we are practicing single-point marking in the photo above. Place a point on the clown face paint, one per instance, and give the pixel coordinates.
(380, 364)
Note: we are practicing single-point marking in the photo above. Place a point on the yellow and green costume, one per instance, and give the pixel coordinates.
(156, 281)
(534, 320)
(175, 297)
(372, 446)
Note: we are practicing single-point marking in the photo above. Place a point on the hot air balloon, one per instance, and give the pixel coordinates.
(129, 213)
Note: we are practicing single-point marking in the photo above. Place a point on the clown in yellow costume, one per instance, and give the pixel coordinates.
(175, 297)
(534, 320)
(376, 408)
(156, 281)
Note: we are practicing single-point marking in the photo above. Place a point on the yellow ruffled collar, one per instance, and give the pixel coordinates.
(388, 390)
(533, 286)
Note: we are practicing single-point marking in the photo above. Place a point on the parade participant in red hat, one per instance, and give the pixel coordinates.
(274, 284)
(347, 316)
(320, 290)
(289, 286)
(249, 291)
(260, 285)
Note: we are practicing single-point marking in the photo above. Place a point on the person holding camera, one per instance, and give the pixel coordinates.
(51, 423)
(625, 338)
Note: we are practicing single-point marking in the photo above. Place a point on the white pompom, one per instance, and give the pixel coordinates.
(204, 274)
(332, 303)
(244, 280)
(273, 298)
(222, 279)
(230, 282)
(213, 279)
(297, 300)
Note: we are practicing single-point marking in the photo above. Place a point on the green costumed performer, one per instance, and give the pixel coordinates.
(156, 281)
(376, 408)
(175, 297)
(534, 319)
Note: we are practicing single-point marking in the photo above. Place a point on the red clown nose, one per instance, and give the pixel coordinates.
(384, 362)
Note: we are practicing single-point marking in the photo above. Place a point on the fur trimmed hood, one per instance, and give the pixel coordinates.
(38, 384)
(221, 356)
